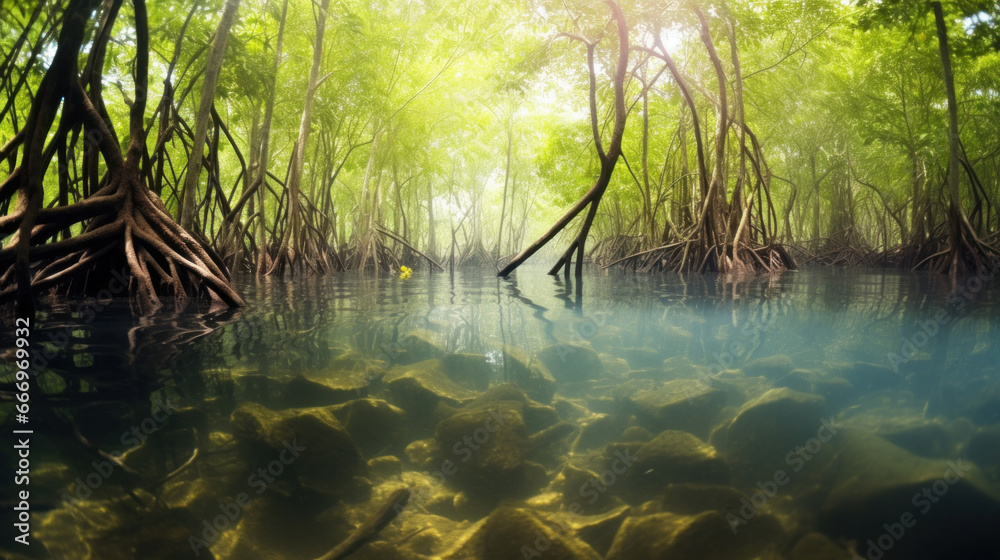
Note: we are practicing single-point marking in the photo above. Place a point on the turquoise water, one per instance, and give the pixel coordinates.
(815, 414)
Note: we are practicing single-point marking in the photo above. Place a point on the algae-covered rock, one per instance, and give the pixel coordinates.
(867, 377)
(418, 345)
(691, 498)
(422, 453)
(597, 430)
(373, 424)
(640, 358)
(308, 391)
(102, 529)
(607, 340)
(984, 449)
(510, 533)
(836, 390)
(898, 505)
(905, 426)
(486, 450)
(683, 404)
(532, 376)
(576, 484)
(707, 536)
(773, 367)
(680, 367)
(419, 388)
(766, 431)
(597, 530)
(571, 362)
(309, 442)
(272, 526)
(537, 416)
(817, 546)
(387, 466)
(472, 371)
(674, 456)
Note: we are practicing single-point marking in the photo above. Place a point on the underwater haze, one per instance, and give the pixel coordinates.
(819, 414)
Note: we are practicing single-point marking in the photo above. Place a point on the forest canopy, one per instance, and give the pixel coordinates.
(189, 140)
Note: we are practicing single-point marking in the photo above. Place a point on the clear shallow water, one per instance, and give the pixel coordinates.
(910, 370)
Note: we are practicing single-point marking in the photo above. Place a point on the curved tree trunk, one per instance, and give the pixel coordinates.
(291, 253)
(189, 192)
(608, 159)
(965, 253)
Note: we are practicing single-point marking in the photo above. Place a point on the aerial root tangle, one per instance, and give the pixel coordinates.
(691, 255)
(127, 237)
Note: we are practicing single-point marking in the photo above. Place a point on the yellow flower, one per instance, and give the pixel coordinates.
(405, 272)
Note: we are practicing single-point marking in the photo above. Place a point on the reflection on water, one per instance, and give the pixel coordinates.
(147, 431)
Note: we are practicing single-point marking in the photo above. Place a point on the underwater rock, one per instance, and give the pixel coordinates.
(675, 340)
(766, 433)
(707, 536)
(483, 451)
(928, 439)
(418, 345)
(426, 534)
(614, 367)
(620, 391)
(373, 424)
(636, 433)
(867, 377)
(773, 367)
(570, 409)
(582, 486)
(607, 339)
(549, 442)
(680, 367)
(817, 546)
(596, 431)
(419, 388)
(422, 453)
(904, 425)
(988, 410)
(898, 505)
(836, 390)
(353, 362)
(692, 498)
(387, 466)
(673, 457)
(310, 442)
(597, 530)
(254, 387)
(640, 358)
(273, 526)
(537, 416)
(519, 533)
(571, 362)
(471, 371)
(532, 376)
(304, 392)
(103, 529)
(984, 449)
(684, 404)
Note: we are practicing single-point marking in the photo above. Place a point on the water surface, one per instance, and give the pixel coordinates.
(637, 364)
